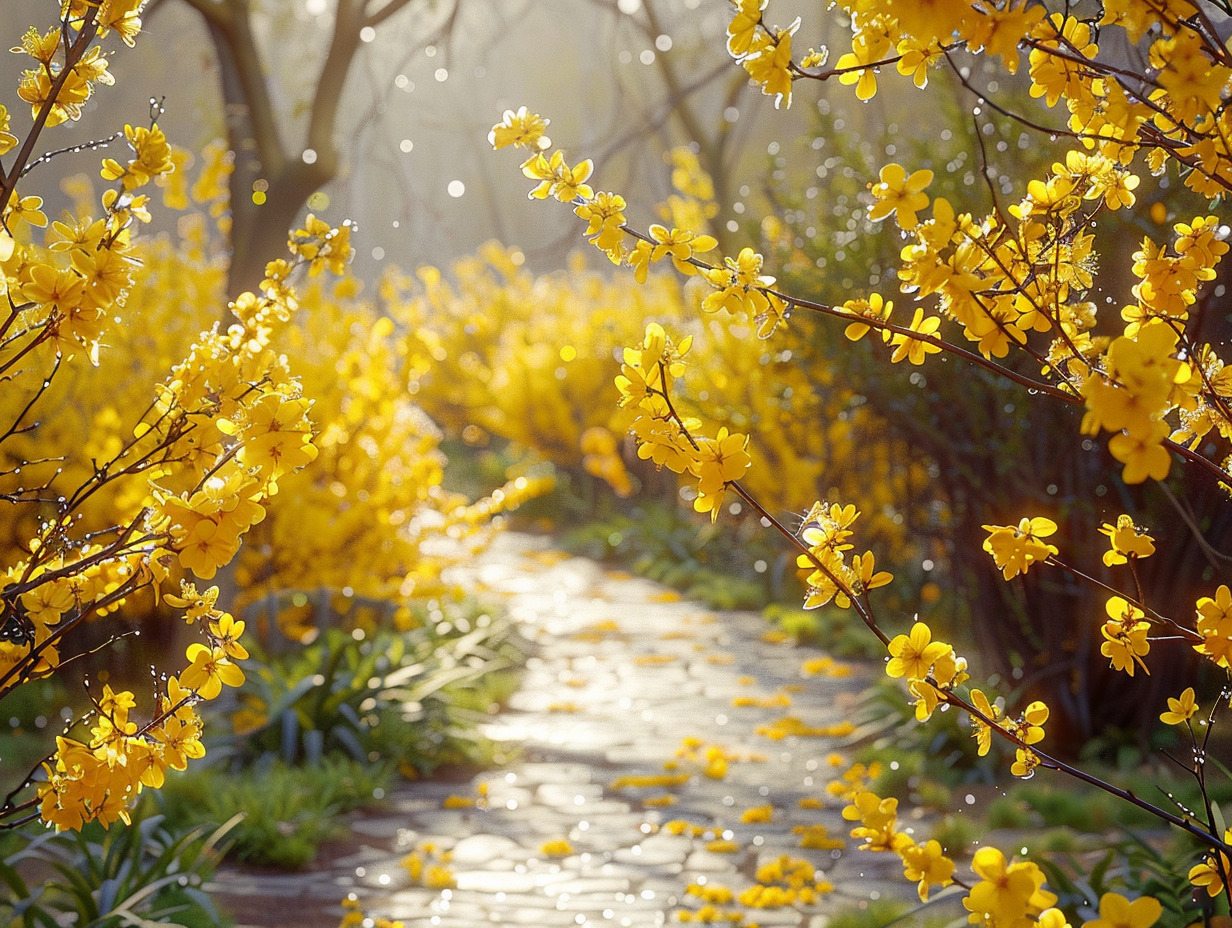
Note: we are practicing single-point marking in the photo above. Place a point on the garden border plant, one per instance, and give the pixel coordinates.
(134, 464)
(189, 479)
(1014, 285)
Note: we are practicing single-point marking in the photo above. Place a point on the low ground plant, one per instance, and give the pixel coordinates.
(659, 541)
(408, 697)
(280, 814)
(150, 872)
(328, 727)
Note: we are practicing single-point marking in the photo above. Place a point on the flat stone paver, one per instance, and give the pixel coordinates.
(626, 682)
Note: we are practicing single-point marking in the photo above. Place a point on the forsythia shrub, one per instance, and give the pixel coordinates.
(375, 485)
(481, 366)
(144, 439)
(107, 505)
(1144, 86)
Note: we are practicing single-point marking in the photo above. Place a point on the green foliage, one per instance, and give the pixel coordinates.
(878, 913)
(836, 631)
(662, 542)
(957, 833)
(142, 874)
(24, 720)
(1131, 866)
(1047, 803)
(943, 750)
(409, 697)
(286, 812)
(1067, 806)
(1008, 812)
(24, 708)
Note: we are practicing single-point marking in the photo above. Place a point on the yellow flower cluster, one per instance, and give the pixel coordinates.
(711, 893)
(923, 864)
(764, 52)
(679, 826)
(711, 760)
(1127, 625)
(854, 779)
(826, 531)
(1015, 548)
(739, 286)
(68, 67)
(824, 666)
(476, 361)
(933, 672)
(1005, 277)
(115, 494)
(1208, 875)
(784, 882)
(353, 916)
(375, 484)
(1127, 542)
(96, 780)
(817, 837)
(663, 435)
(428, 865)
(1004, 892)
(762, 702)
(152, 158)
(790, 726)
(1181, 709)
(1008, 893)
(710, 914)
(650, 780)
(730, 376)
(556, 848)
(1214, 624)
(757, 814)
(1182, 117)
(1125, 635)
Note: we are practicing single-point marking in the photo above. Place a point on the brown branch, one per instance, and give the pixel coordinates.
(393, 7)
(72, 55)
(1049, 762)
(219, 13)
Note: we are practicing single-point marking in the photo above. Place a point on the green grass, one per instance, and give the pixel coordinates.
(876, 914)
(836, 631)
(957, 832)
(288, 812)
(1009, 813)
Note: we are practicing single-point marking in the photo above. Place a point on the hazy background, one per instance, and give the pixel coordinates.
(418, 176)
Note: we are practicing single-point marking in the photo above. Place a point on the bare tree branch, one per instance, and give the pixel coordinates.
(220, 12)
(376, 17)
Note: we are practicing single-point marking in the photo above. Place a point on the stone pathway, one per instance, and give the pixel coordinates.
(626, 679)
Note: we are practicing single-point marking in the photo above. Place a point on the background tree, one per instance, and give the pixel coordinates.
(97, 517)
(280, 160)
